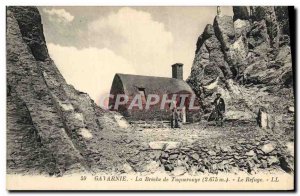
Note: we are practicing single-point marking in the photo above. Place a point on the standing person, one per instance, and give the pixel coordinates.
(219, 109)
(175, 118)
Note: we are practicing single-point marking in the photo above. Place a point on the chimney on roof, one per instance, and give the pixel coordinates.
(177, 71)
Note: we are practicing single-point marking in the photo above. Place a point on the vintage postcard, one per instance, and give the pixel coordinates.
(150, 98)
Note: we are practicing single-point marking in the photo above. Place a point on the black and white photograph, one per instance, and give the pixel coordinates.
(195, 98)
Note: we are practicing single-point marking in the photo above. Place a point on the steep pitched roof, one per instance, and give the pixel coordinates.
(152, 84)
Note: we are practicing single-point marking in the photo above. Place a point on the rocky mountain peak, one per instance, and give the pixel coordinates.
(241, 53)
(31, 29)
(240, 12)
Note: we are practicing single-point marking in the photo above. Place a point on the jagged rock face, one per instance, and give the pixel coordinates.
(258, 37)
(57, 129)
(282, 13)
(245, 45)
(32, 31)
(242, 27)
(26, 84)
(224, 30)
(209, 61)
(267, 13)
(234, 45)
(254, 50)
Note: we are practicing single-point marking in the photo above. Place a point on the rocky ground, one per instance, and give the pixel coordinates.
(206, 148)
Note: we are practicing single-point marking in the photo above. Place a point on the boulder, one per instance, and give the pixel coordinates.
(272, 160)
(121, 121)
(264, 164)
(291, 109)
(250, 153)
(290, 148)
(267, 148)
(212, 153)
(195, 156)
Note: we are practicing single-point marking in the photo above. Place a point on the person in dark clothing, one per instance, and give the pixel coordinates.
(175, 118)
(219, 109)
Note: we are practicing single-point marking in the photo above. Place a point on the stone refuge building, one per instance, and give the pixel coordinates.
(132, 85)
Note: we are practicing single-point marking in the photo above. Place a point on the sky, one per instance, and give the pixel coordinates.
(90, 44)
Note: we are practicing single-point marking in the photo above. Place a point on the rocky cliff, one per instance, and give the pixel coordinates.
(51, 127)
(247, 58)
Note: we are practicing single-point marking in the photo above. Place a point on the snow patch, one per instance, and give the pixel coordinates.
(212, 85)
